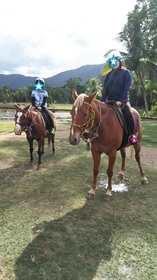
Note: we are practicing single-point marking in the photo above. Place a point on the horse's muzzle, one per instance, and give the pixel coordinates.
(74, 140)
(18, 129)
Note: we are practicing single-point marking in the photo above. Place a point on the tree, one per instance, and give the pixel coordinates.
(140, 39)
(77, 84)
(93, 85)
(6, 94)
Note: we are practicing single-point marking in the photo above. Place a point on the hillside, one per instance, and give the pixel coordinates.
(85, 72)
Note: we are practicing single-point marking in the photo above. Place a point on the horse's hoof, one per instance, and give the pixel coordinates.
(108, 197)
(144, 182)
(121, 176)
(38, 166)
(90, 196)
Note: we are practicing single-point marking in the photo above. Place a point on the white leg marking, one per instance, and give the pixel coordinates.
(108, 193)
(91, 191)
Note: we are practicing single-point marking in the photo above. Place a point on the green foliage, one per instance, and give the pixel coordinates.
(153, 112)
(105, 69)
(140, 38)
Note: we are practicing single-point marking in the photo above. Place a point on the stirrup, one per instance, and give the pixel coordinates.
(133, 140)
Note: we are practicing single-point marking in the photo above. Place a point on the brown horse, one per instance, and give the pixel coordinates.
(31, 121)
(105, 134)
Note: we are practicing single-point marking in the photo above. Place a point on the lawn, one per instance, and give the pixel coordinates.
(149, 128)
(50, 232)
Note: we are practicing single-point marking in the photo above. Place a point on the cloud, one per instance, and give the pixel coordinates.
(46, 38)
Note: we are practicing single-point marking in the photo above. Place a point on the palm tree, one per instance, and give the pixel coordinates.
(140, 58)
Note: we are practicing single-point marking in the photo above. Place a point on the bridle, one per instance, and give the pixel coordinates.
(91, 119)
(28, 124)
(93, 130)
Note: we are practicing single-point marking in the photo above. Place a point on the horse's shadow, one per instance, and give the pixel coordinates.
(66, 248)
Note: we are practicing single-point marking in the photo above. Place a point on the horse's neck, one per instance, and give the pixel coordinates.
(32, 116)
(37, 118)
(102, 112)
(97, 108)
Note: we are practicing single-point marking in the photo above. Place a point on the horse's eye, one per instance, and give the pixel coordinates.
(85, 114)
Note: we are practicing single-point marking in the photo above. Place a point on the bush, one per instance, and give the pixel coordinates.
(153, 111)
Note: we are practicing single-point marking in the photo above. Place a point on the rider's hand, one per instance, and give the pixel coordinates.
(118, 103)
(39, 108)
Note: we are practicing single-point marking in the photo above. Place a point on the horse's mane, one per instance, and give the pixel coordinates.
(79, 100)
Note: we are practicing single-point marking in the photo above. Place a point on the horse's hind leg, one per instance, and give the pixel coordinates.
(138, 160)
(51, 141)
(123, 156)
(40, 147)
(53, 144)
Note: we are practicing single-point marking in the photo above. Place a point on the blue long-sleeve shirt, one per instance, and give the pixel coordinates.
(116, 85)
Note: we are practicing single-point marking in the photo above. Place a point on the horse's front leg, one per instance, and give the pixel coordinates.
(42, 149)
(123, 156)
(30, 142)
(111, 162)
(96, 162)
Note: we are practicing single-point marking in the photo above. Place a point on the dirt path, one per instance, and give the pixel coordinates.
(148, 155)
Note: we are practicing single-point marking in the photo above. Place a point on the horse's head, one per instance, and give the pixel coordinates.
(82, 116)
(21, 118)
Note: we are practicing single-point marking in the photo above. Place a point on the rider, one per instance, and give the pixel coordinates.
(116, 86)
(39, 101)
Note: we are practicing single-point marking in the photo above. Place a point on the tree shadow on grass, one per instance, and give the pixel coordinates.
(70, 247)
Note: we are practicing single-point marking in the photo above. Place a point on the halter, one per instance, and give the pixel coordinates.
(91, 118)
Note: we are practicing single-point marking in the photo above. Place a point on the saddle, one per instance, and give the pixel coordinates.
(121, 119)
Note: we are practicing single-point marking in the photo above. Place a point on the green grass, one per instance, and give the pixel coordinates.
(51, 106)
(149, 137)
(48, 231)
(7, 126)
(60, 106)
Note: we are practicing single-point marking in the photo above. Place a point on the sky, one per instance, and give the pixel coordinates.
(44, 38)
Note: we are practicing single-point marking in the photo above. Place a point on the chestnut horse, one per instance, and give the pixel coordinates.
(32, 123)
(105, 134)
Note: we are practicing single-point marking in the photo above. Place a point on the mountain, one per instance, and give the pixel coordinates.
(85, 72)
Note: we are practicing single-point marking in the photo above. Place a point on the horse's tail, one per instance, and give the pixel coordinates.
(132, 152)
(49, 140)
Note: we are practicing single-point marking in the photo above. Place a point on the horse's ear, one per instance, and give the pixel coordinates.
(27, 107)
(74, 94)
(16, 106)
(91, 97)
